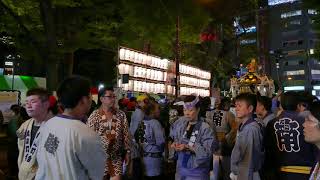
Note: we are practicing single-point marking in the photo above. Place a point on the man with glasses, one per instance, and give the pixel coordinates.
(68, 149)
(112, 126)
(37, 107)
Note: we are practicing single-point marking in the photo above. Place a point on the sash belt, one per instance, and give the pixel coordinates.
(296, 169)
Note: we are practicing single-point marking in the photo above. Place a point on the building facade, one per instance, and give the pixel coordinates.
(291, 46)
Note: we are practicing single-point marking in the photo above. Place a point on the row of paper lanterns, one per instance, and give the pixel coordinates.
(194, 82)
(142, 86)
(142, 72)
(140, 58)
(149, 73)
(185, 69)
(188, 91)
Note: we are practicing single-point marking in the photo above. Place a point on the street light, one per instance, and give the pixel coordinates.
(101, 86)
(278, 54)
(10, 65)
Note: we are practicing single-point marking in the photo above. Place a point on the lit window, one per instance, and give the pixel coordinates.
(293, 73)
(247, 41)
(294, 88)
(311, 51)
(316, 87)
(291, 14)
(295, 52)
(276, 2)
(246, 30)
(312, 11)
(314, 71)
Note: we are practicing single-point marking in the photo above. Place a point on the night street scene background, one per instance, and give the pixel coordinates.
(179, 89)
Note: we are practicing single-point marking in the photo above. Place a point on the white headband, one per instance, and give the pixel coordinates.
(192, 104)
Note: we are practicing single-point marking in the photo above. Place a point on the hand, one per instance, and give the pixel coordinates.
(233, 176)
(181, 147)
(173, 145)
(127, 158)
(279, 92)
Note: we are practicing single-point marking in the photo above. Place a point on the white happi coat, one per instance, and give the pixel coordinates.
(27, 152)
(69, 150)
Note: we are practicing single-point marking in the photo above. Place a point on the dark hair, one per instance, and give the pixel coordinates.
(149, 109)
(225, 102)
(205, 102)
(133, 99)
(178, 108)
(102, 92)
(265, 101)
(305, 99)
(72, 89)
(289, 101)
(315, 109)
(41, 92)
(190, 98)
(24, 114)
(249, 98)
(15, 108)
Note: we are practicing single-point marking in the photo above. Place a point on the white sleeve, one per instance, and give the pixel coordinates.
(91, 154)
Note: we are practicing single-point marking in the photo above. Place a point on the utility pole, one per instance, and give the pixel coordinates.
(177, 57)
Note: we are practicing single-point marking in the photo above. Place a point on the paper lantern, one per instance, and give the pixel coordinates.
(122, 53)
(132, 54)
(120, 68)
(126, 54)
(140, 58)
(136, 57)
(148, 60)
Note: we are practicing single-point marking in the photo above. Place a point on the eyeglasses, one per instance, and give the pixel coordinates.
(110, 96)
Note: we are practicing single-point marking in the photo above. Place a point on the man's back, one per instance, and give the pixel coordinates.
(68, 149)
(286, 148)
(136, 117)
(247, 154)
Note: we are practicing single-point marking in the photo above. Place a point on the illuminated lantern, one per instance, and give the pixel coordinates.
(148, 76)
(131, 56)
(130, 86)
(131, 71)
(136, 57)
(149, 62)
(120, 67)
(122, 53)
(140, 59)
(127, 55)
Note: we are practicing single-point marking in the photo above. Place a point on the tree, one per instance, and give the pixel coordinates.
(53, 29)
(224, 55)
(154, 22)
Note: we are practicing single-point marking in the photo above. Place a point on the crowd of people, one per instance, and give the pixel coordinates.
(250, 137)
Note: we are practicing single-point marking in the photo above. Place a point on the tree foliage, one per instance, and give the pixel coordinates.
(52, 30)
(154, 22)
